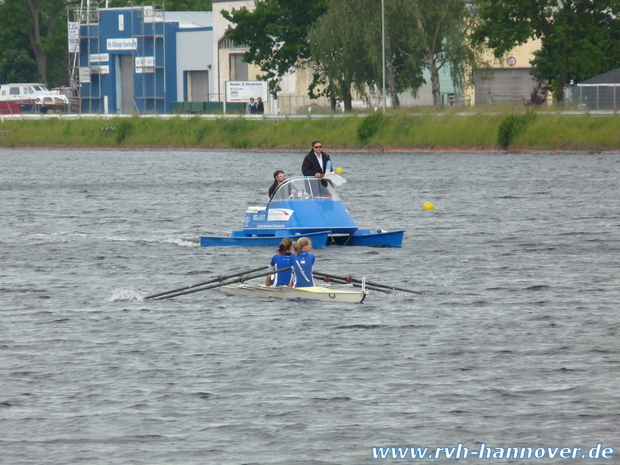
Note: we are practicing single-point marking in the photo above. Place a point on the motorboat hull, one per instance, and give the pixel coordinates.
(367, 238)
(240, 238)
(319, 293)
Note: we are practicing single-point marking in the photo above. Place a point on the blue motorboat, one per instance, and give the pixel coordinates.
(305, 206)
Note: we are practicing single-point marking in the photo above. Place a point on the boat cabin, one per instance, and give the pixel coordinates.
(22, 92)
(302, 188)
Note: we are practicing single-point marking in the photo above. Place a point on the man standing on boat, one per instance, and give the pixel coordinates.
(316, 162)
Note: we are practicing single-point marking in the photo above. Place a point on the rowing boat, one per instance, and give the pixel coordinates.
(323, 294)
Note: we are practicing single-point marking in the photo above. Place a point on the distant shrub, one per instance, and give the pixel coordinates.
(511, 126)
(123, 129)
(369, 126)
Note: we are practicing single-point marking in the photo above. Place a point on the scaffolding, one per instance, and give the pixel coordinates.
(150, 60)
(148, 69)
(87, 16)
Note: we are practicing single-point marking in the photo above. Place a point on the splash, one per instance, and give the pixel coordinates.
(124, 294)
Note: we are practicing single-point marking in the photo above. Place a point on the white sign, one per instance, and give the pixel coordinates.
(241, 91)
(73, 33)
(121, 22)
(99, 57)
(84, 75)
(511, 61)
(122, 44)
(145, 65)
(100, 69)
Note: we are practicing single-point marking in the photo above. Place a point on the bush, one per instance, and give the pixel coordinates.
(123, 129)
(511, 126)
(369, 126)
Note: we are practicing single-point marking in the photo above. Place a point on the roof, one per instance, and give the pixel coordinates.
(190, 19)
(609, 78)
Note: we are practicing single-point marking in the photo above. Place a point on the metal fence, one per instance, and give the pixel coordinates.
(597, 96)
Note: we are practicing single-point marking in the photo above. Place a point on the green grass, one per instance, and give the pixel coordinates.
(397, 130)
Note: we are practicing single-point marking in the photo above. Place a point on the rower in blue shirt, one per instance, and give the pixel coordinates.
(280, 261)
(302, 263)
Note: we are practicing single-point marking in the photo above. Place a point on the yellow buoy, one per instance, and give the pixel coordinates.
(428, 206)
(339, 171)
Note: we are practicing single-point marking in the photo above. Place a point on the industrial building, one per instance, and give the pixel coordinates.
(142, 59)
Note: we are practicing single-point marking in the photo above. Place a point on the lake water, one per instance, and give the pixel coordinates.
(514, 341)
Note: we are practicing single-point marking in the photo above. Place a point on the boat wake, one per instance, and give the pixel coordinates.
(180, 241)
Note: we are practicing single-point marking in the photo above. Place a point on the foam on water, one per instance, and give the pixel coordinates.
(126, 295)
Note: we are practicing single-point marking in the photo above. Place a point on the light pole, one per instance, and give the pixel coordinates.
(383, 47)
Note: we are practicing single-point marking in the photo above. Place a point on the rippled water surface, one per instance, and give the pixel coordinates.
(514, 341)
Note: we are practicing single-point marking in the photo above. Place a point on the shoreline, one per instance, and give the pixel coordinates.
(480, 133)
(514, 150)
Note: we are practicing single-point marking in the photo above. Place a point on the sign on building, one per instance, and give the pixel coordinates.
(122, 44)
(242, 91)
(84, 75)
(144, 65)
(73, 33)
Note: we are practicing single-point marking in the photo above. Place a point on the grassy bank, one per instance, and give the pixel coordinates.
(504, 130)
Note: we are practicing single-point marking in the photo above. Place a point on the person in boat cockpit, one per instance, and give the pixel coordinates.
(316, 162)
(279, 177)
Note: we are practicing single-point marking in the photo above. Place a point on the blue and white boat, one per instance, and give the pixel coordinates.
(305, 206)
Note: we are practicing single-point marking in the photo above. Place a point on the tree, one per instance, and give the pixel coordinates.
(578, 37)
(346, 48)
(336, 57)
(276, 33)
(442, 30)
(17, 66)
(41, 24)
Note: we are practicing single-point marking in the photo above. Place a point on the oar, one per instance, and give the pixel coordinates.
(219, 278)
(344, 281)
(349, 279)
(239, 279)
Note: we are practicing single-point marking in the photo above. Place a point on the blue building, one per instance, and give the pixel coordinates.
(141, 59)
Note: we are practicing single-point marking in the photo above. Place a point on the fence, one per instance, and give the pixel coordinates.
(597, 96)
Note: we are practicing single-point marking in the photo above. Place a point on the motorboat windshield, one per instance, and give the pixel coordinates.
(301, 188)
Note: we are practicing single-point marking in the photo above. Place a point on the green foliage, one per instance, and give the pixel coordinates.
(276, 34)
(578, 37)
(17, 66)
(511, 127)
(201, 132)
(398, 131)
(234, 126)
(123, 130)
(369, 126)
(38, 26)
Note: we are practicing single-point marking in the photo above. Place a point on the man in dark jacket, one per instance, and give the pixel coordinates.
(315, 162)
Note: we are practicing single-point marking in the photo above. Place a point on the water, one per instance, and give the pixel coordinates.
(513, 343)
